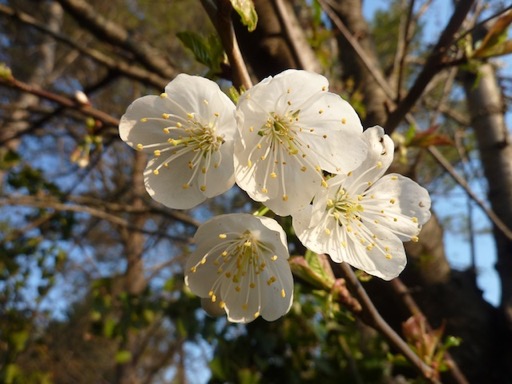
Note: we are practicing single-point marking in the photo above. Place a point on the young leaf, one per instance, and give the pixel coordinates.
(247, 12)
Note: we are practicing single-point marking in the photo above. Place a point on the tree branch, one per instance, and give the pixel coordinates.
(108, 31)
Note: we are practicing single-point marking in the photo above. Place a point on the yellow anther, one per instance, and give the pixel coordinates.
(327, 231)
(283, 293)
(178, 125)
(320, 111)
(202, 188)
(165, 116)
(271, 280)
(193, 269)
(285, 197)
(264, 190)
(216, 114)
(140, 147)
(157, 152)
(237, 288)
(273, 175)
(324, 184)
(203, 170)
(303, 168)
(273, 258)
(222, 304)
(392, 201)
(394, 178)
(156, 172)
(185, 186)
(163, 95)
(144, 119)
(388, 256)
(167, 130)
(414, 219)
(205, 102)
(343, 121)
(256, 314)
(223, 236)
(249, 163)
(190, 115)
(203, 260)
(415, 239)
(252, 285)
(379, 164)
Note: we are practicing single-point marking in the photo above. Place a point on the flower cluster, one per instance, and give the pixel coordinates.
(298, 149)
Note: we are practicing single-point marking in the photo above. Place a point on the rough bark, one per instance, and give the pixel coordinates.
(487, 108)
(278, 43)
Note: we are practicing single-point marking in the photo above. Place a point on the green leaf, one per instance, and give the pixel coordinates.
(206, 50)
(247, 12)
(197, 45)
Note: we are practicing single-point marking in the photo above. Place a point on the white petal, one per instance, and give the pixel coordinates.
(134, 131)
(199, 96)
(376, 261)
(167, 186)
(378, 160)
(333, 132)
(406, 205)
(273, 93)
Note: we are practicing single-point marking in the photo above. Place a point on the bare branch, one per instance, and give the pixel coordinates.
(131, 71)
(108, 31)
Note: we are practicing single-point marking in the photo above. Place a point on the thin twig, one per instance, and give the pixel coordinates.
(64, 101)
(371, 315)
(221, 19)
(430, 68)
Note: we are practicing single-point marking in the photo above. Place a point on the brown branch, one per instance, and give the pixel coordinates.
(114, 64)
(50, 203)
(372, 317)
(432, 65)
(64, 101)
(108, 31)
(220, 17)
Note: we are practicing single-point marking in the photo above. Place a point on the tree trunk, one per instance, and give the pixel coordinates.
(487, 110)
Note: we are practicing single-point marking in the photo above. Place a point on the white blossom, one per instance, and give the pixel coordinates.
(363, 217)
(240, 265)
(291, 129)
(189, 129)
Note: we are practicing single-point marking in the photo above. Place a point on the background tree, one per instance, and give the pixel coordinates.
(91, 269)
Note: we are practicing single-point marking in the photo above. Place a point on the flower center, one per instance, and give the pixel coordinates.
(188, 135)
(344, 208)
(280, 130)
